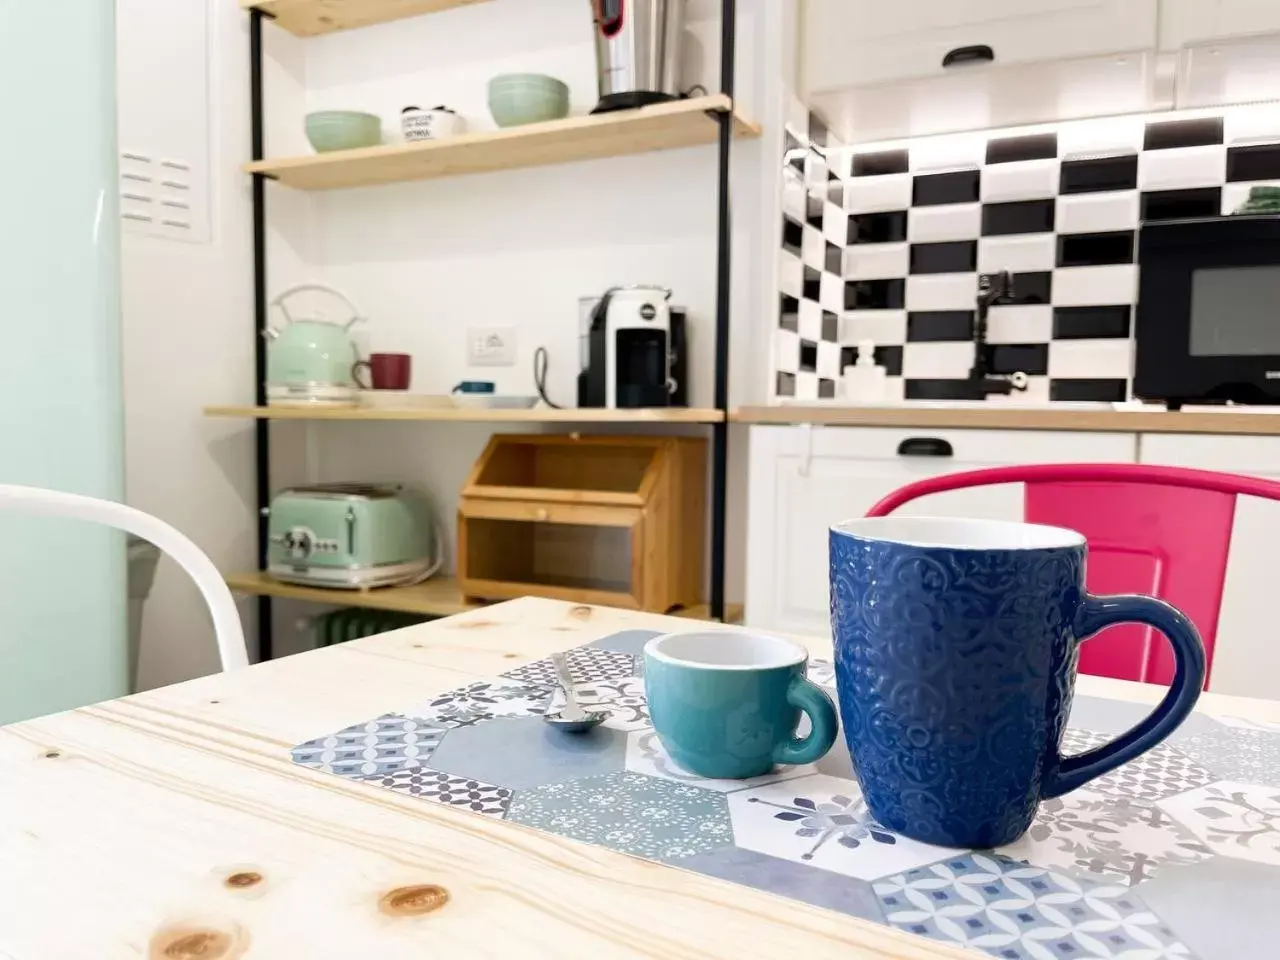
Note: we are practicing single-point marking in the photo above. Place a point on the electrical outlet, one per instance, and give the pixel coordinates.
(491, 346)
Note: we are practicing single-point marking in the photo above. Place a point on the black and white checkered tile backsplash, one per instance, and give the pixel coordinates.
(887, 246)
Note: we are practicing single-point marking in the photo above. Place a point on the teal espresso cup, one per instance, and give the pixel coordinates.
(726, 704)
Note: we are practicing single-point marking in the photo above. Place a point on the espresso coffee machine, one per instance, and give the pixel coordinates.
(635, 351)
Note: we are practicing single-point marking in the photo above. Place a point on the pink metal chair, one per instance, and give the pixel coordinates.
(1162, 531)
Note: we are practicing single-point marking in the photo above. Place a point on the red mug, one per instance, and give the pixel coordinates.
(387, 371)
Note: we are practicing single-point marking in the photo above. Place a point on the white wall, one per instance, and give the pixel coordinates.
(188, 319)
(422, 260)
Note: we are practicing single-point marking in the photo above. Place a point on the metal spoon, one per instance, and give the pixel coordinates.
(571, 718)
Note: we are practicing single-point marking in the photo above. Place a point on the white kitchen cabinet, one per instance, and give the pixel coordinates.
(803, 479)
(868, 42)
(1219, 73)
(999, 96)
(1247, 654)
(1228, 51)
(1184, 22)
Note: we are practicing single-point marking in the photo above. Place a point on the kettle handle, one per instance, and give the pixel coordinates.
(279, 301)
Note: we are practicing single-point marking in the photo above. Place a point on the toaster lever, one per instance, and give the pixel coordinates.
(351, 532)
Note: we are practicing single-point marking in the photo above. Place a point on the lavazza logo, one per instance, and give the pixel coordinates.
(1273, 374)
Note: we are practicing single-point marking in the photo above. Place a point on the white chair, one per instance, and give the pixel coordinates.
(226, 618)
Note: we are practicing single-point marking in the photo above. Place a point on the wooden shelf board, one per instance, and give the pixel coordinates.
(438, 597)
(313, 18)
(664, 126)
(1002, 417)
(471, 415)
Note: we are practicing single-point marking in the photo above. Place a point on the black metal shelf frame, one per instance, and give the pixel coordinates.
(261, 427)
(724, 279)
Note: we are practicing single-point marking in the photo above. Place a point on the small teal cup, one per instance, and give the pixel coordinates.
(726, 704)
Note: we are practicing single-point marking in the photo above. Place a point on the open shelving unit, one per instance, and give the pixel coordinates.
(713, 118)
(473, 415)
(664, 126)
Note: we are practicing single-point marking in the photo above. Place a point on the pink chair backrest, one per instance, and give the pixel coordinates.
(1162, 531)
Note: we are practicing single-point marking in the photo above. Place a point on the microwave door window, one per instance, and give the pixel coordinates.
(1235, 311)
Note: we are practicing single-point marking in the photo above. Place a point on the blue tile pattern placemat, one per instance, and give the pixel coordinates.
(1174, 855)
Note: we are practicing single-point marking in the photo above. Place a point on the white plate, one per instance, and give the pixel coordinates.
(493, 401)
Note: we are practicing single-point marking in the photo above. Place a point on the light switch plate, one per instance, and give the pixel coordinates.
(491, 346)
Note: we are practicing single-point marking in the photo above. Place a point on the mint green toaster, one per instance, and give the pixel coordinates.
(351, 535)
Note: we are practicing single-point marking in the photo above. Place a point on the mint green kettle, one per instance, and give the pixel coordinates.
(311, 360)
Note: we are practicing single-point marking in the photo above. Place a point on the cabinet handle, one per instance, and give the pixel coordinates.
(925, 447)
(966, 56)
(541, 513)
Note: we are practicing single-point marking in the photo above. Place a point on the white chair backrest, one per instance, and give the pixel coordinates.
(226, 618)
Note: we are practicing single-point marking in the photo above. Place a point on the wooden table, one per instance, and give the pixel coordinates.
(173, 824)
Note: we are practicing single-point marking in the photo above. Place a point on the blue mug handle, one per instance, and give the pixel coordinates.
(815, 703)
(1068, 773)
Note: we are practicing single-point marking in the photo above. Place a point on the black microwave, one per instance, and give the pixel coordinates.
(1207, 327)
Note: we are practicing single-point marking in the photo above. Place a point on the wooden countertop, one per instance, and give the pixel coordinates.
(1001, 417)
(174, 824)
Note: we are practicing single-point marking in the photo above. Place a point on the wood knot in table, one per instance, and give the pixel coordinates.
(242, 879)
(473, 624)
(197, 943)
(580, 613)
(413, 901)
(52, 754)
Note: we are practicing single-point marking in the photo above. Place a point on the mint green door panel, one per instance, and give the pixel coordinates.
(62, 590)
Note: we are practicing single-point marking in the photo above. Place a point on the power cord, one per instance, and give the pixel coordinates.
(542, 360)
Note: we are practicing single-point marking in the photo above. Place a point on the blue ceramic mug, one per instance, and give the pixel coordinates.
(726, 704)
(956, 644)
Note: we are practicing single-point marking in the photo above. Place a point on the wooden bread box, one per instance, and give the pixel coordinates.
(618, 521)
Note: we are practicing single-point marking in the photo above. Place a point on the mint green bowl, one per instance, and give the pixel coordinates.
(343, 130)
(520, 98)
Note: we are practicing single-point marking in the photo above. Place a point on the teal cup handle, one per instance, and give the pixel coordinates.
(817, 706)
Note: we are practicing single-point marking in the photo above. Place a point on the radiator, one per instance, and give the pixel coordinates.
(351, 623)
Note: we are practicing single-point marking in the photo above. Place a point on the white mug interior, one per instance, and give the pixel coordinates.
(726, 650)
(951, 533)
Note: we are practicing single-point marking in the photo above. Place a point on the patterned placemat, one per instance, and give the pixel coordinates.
(1174, 855)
